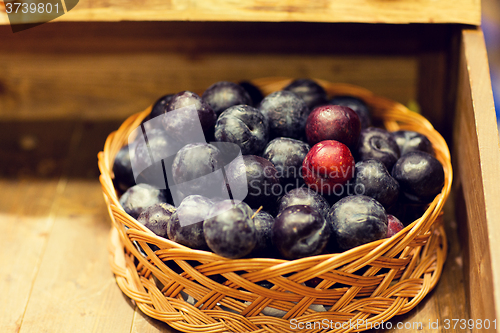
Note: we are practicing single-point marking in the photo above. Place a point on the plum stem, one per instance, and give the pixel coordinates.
(256, 212)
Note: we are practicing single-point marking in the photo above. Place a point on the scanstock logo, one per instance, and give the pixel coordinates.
(159, 151)
(26, 14)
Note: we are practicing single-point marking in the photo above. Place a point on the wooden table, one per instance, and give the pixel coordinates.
(55, 275)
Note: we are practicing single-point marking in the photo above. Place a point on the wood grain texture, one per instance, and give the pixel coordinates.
(28, 205)
(96, 87)
(25, 232)
(74, 290)
(432, 77)
(424, 11)
(85, 77)
(34, 148)
(477, 157)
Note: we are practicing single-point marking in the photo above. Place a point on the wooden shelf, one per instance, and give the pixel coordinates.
(368, 11)
(65, 86)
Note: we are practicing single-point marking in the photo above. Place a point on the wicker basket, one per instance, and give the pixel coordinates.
(199, 291)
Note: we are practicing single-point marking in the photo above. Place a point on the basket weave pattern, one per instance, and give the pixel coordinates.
(368, 284)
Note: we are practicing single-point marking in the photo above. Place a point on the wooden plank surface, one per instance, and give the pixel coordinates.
(25, 231)
(75, 290)
(424, 11)
(96, 87)
(477, 158)
(42, 78)
(32, 159)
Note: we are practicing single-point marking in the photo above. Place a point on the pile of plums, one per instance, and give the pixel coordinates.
(320, 177)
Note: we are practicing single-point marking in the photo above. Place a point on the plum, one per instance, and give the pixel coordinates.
(193, 169)
(230, 232)
(378, 144)
(304, 196)
(287, 114)
(300, 231)
(263, 222)
(254, 92)
(420, 175)
(357, 220)
(181, 122)
(157, 217)
(159, 107)
(286, 155)
(153, 153)
(245, 126)
(357, 105)
(186, 224)
(153, 146)
(407, 210)
(122, 167)
(412, 141)
(262, 183)
(376, 182)
(311, 92)
(329, 164)
(393, 225)
(224, 94)
(333, 122)
(139, 197)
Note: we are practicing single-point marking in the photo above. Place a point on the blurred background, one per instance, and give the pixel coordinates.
(491, 28)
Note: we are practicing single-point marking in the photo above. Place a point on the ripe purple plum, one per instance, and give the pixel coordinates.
(263, 222)
(376, 182)
(181, 123)
(262, 182)
(139, 197)
(420, 175)
(193, 169)
(300, 231)
(186, 224)
(245, 126)
(357, 220)
(304, 196)
(224, 94)
(412, 141)
(377, 144)
(230, 232)
(333, 122)
(287, 155)
(357, 105)
(157, 217)
(310, 91)
(287, 114)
